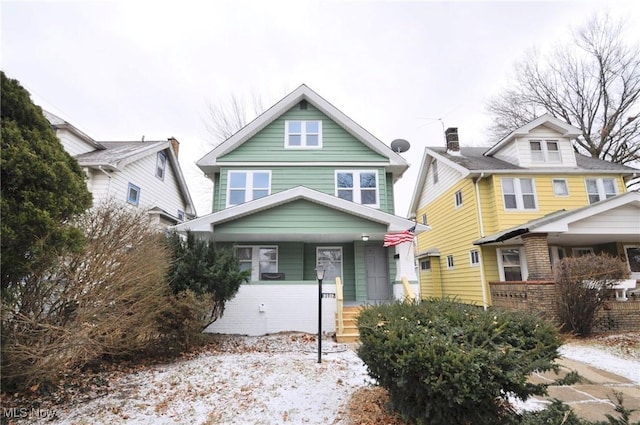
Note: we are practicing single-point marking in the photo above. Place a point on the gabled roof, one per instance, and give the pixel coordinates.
(205, 224)
(60, 124)
(547, 120)
(116, 155)
(559, 221)
(208, 163)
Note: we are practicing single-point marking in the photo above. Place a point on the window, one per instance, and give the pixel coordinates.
(511, 264)
(424, 219)
(450, 261)
(133, 194)
(329, 258)
(303, 134)
(560, 187)
(425, 264)
(258, 259)
(244, 186)
(434, 165)
(458, 198)
(600, 189)
(474, 257)
(556, 253)
(633, 260)
(518, 194)
(358, 186)
(181, 215)
(161, 165)
(579, 252)
(545, 151)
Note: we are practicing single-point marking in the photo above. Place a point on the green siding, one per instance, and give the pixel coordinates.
(299, 217)
(348, 266)
(337, 143)
(321, 179)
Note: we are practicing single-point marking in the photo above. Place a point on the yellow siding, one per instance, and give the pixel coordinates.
(453, 231)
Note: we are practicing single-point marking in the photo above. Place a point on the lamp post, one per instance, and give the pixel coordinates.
(320, 276)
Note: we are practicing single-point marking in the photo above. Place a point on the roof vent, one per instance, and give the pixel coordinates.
(303, 104)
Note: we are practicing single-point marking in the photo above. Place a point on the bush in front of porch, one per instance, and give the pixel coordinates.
(443, 362)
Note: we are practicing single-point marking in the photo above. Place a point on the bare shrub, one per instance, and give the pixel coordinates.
(101, 301)
(581, 285)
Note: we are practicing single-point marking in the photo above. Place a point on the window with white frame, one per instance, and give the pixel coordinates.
(560, 187)
(244, 186)
(258, 259)
(161, 165)
(303, 134)
(600, 189)
(434, 168)
(545, 151)
(425, 264)
(330, 259)
(556, 253)
(181, 215)
(360, 186)
(519, 194)
(458, 198)
(450, 263)
(511, 264)
(133, 194)
(581, 251)
(474, 257)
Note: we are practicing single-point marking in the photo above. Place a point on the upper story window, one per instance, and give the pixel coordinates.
(450, 263)
(519, 194)
(434, 167)
(244, 186)
(458, 198)
(358, 186)
(303, 134)
(161, 165)
(133, 194)
(181, 215)
(545, 151)
(560, 187)
(600, 189)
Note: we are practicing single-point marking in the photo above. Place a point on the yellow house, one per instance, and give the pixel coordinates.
(507, 213)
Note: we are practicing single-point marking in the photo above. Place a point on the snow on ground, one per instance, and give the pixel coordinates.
(285, 385)
(602, 359)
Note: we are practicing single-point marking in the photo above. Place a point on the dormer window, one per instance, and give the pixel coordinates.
(161, 165)
(303, 134)
(545, 151)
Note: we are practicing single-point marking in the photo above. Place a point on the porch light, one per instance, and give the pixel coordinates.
(320, 276)
(365, 238)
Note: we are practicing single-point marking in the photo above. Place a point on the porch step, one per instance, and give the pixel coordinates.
(350, 328)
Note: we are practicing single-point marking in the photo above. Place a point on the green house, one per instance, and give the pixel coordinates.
(304, 187)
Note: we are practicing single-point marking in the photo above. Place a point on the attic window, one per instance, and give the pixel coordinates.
(545, 151)
(161, 165)
(303, 134)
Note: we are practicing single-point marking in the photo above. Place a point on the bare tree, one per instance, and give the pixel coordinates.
(593, 84)
(228, 116)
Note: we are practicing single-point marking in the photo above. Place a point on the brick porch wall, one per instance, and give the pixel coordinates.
(538, 297)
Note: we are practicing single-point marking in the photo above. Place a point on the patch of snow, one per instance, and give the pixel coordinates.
(602, 359)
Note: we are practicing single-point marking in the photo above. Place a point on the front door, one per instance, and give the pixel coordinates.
(377, 271)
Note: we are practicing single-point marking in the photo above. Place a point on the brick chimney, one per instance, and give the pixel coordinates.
(174, 144)
(451, 135)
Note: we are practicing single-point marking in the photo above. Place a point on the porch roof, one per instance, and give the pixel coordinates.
(602, 222)
(388, 222)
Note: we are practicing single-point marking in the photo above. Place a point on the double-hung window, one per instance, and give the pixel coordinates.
(303, 134)
(360, 186)
(560, 187)
(161, 165)
(330, 259)
(133, 194)
(600, 189)
(518, 194)
(474, 257)
(545, 151)
(458, 198)
(244, 186)
(450, 263)
(511, 264)
(258, 259)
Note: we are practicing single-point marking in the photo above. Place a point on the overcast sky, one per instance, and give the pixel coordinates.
(121, 70)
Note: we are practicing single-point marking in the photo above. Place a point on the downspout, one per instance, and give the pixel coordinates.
(485, 302)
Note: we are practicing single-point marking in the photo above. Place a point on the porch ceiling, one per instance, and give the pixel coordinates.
(345, 237)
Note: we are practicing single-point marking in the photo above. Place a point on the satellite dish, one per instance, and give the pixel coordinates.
(400, 145)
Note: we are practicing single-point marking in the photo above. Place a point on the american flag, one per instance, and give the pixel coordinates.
(396, 238)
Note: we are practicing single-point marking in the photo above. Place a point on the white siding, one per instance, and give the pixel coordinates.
(285, 308)
(622, 220)
(519, 151)
(447, 177)
(509, 153)
(72, 143)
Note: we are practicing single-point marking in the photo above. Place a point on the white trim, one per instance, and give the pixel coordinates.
(138, 192)
(634, 275)
(455, 199)
(323, 247)
(544, 150)
(450, 262)
(161, 164)
(553, 186)
(357, 195)
(524, 270)
(554, 254)
(471, 262)
(249, 187)
(602, 194)
(517, 188)
(255, 258)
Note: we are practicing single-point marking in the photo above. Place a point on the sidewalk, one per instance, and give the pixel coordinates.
(594, 397)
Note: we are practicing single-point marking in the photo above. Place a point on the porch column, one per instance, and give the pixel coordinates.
(405, 262)
(536, 251)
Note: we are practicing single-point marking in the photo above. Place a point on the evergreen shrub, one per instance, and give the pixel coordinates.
(443, 362)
